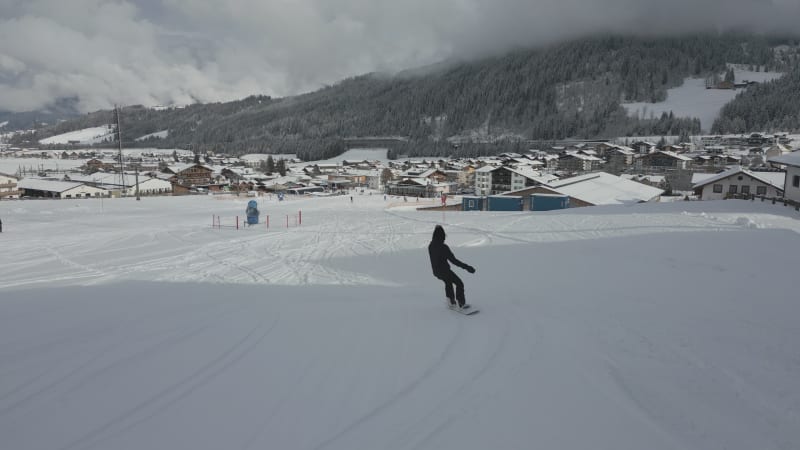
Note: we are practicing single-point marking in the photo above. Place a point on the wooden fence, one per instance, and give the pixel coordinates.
(774, 200)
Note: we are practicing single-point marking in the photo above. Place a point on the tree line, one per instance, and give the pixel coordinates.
(769, 107)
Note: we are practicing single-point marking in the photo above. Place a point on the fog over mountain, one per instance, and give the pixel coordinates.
(105, 52)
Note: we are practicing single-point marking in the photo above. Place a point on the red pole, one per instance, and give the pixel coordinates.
(299, 217)
(267, 222)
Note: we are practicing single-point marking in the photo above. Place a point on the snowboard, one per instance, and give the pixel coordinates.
(472, 310)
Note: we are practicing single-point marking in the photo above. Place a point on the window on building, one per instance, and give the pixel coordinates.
(761, 190)
(796, 181)
(745, 189)
(717, 188)
(732, 189)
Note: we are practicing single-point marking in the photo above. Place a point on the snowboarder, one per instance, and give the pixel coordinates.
(440, 254)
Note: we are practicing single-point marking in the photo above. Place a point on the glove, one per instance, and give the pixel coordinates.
(470, 269)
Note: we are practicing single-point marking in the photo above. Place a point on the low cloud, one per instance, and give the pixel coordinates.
(106, 52)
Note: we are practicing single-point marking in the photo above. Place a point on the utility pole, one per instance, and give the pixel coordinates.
(137, 184)
(119, 142)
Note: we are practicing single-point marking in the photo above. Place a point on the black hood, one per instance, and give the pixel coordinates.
(438, 233)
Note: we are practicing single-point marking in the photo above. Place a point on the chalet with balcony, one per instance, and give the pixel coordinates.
(191, 175)
(664, 160)
(579, 162)
(8, 186)
(740, 181)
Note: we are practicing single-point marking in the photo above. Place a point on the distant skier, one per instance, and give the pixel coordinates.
(440, 254)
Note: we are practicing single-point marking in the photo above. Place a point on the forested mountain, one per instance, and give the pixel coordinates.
(572, 89)
(770, 107)
(63, 109)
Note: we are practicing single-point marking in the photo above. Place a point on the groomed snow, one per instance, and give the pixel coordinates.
(135, 325)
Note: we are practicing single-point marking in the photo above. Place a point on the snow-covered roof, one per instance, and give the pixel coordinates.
(775, 179)
(789, 159)
(649, 178)
(106, 178)
(601, 188)
(581, 156)
(363, 172)
(38, 184)
(699, 177)
(674, 155)
(180, 167)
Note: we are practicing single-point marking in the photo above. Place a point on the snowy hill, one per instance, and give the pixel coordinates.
(157, 135)
(132, 325)
(86, 136)
(692, 99)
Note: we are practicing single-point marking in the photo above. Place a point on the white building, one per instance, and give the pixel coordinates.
(791, 161)
(741, 181)
(8, 186)
(601, 188)
(114, 182)
(150, 186)
(37, 187)
(491, 180)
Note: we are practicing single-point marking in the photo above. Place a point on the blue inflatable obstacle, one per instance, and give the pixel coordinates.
(252, 212)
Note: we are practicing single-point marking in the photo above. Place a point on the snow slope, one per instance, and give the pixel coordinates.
(131, 325)
(157, 135)
(692, 99)
(86, 136)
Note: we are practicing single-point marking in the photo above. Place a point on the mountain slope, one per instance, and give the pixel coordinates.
(772, 106)
(569, 90)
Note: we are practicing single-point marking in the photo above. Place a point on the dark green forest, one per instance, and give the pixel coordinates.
(769, 107)
(570, 90)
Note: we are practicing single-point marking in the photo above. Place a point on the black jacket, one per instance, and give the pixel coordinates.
(440, 254)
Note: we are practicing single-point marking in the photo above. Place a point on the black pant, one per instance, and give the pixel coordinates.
(450, 279)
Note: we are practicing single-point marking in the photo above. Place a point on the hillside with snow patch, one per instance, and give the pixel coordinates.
(86, 136)
(692, 99)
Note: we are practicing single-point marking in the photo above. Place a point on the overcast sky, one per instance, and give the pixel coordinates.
(151, 52)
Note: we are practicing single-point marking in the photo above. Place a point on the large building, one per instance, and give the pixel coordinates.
(791, 162)
(740, 181)
(493, 180)
(191, 175)
(8, 186)
(40, 188)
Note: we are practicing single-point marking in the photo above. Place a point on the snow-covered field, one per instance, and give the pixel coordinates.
(135, 325)
(692, 99)
(12, 165)
(86, 136)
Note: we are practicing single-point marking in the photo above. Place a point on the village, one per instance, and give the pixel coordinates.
(558, 175)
